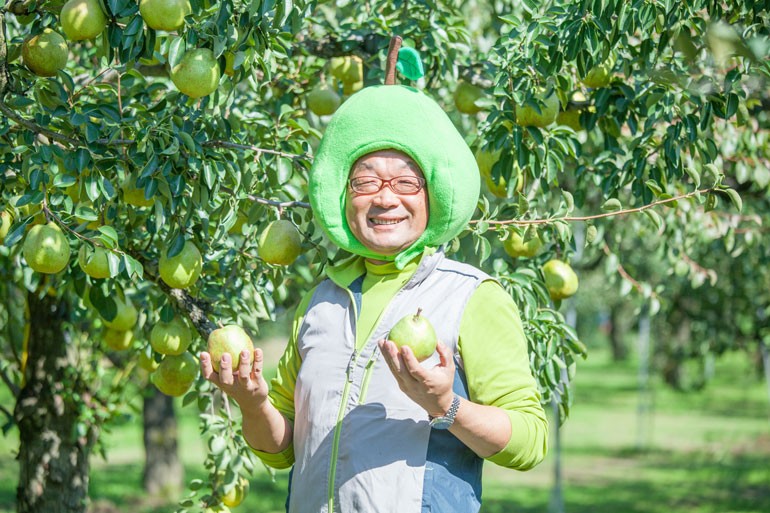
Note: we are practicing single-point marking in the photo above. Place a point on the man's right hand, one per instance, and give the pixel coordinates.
(245, 385)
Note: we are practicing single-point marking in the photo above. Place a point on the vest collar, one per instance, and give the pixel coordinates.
(345, 272)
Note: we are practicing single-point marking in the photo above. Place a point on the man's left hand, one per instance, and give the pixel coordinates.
(430, 388)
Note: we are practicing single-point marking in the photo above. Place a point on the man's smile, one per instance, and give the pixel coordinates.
(385, 222)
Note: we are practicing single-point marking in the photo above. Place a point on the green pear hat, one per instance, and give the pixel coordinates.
(405, 119)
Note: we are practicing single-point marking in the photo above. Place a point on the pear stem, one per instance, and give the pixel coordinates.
(390, 63)
(419, 311)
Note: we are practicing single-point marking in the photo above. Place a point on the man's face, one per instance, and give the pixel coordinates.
(386, 222)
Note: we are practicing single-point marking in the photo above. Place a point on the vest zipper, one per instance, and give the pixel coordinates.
(368, 375)
(341, 412)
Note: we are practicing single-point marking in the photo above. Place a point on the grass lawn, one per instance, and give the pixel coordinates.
(706, 452)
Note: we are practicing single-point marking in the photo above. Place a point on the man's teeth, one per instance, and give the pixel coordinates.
(386, 221)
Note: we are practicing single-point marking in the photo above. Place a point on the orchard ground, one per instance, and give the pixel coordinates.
(708, 452)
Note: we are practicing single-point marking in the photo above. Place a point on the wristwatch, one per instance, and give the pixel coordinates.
(447, 420)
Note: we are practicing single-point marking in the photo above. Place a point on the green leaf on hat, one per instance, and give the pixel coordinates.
(409, 63)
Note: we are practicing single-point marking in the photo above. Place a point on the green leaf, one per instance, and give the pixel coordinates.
(409, 64)
(188, 142)
(103, 303)
(175, 51)
(109, 236)
(735, 198)
(711, 202)
(693, 174)
(16, 233)
(568, 200)
(133, 267)
(176, 245)
(654, 217)
(591, 233)
(486, 250)
(612, 205)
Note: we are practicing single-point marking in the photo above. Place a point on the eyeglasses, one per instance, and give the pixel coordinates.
(404, 185)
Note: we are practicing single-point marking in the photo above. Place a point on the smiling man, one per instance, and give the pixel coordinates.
(364, 426)
(387, 207)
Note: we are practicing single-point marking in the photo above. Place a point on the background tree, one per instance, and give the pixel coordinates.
(643, 117)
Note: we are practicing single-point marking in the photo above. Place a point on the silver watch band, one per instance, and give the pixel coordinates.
(448, 419)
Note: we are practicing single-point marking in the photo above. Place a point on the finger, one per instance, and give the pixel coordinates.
(259, 363)
(243, 366)
(446, 357)
(226, 369)
(411, 364)
(390, 353)
(207, 370)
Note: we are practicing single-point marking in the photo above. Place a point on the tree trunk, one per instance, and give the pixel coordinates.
(617, 332)
(54, 442)
(163, 472)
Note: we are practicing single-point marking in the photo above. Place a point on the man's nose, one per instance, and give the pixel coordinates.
(386, 197)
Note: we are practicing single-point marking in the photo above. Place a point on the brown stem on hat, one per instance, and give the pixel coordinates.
(390, 64)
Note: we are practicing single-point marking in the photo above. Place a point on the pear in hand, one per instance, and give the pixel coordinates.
(416, 332)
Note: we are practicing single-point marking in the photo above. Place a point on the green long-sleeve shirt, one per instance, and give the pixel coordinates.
(491, 344)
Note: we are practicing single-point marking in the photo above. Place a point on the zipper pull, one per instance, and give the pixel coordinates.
(349, 370)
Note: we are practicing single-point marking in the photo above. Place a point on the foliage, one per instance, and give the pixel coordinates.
(677, 131)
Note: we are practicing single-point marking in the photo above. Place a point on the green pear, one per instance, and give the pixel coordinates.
(182, 270)
(229, 339)
(176, 374)
(165, 15)
(465, 97)
(46, 249)
(126, 316)
(82, 19)
(118, 340)
(322, 100)
(600, 75)
(197, 74)
(172, 337)
(416, 332)
(516, 247)
(348, 69)
(527, 115)
(134, 195)
(279, 243)
(147, 361)
(45, 53)
(6, 220)
(234, 497)
(94, 261)
(560, 280)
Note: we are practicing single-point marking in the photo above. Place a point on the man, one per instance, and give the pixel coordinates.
(366, 426)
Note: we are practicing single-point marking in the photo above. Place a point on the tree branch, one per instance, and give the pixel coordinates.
(195, 309)
(272, 203)
(4, 77)
(624, 274)
(8, 414)
(329, 46)
(20, 7)
(34, 127)
(238, 146)
(10, 384)
(61, 138)
(569, 219)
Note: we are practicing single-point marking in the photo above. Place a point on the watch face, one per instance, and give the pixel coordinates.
(441, 423)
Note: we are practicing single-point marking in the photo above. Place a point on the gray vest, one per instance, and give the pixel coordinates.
(361, 445)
